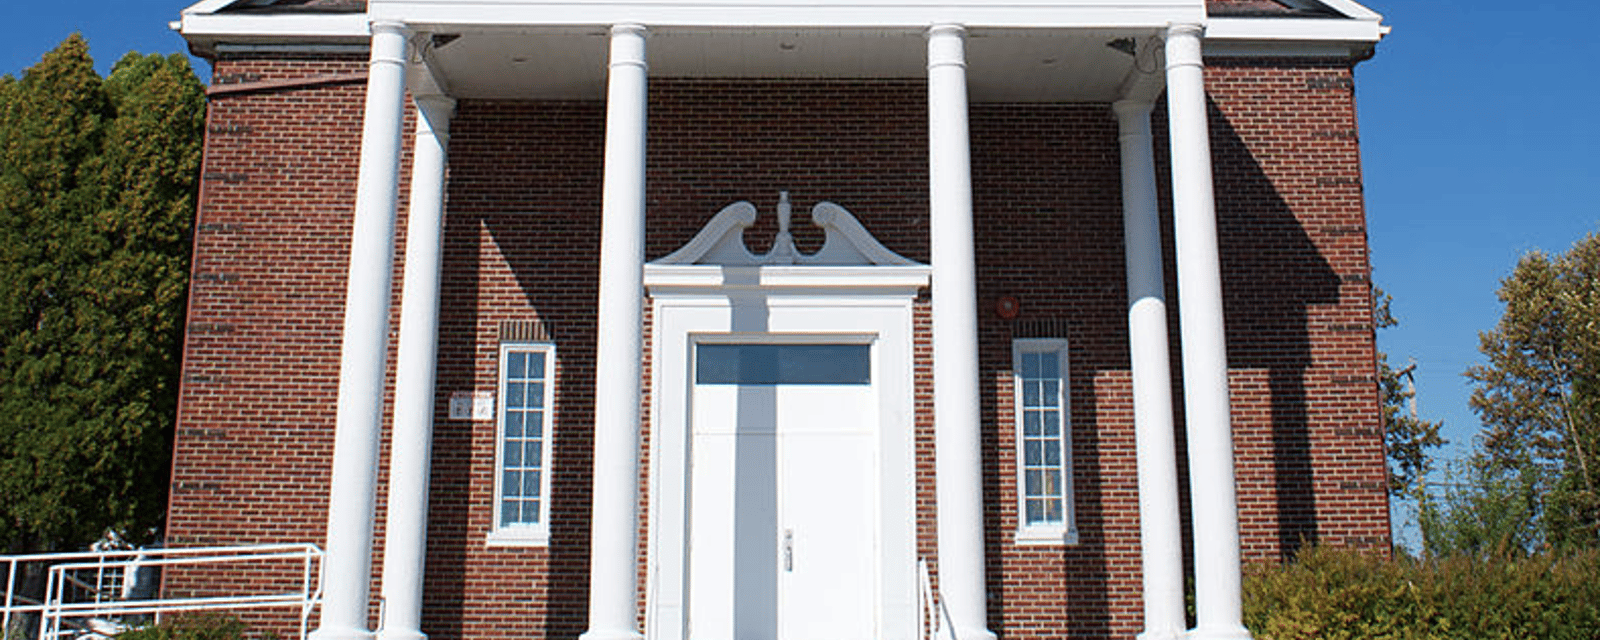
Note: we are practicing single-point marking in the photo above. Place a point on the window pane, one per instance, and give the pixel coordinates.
(513, 424)
(516, 364)
(1033, 453)
(536, 365)
(1035, 482)
(1030, 365)
(535, 395)
(1052, 483)
(513, 457)
(533, 450)
(1052, 422)
(1030, 393)
(508, 512)
(1050, 396)
(511, 483)
(1052, 452)
(1031, 423)
(530, 484)
(535, 422)
(1049, 365)
(1052, 511)
(1035, 509)
(530, 512)
(516, 394)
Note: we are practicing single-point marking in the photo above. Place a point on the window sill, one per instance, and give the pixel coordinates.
(1046, 536)
(519, 537)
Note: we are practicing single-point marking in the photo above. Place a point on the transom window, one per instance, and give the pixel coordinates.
(522, 478)
(771, 364)
(1044, 442)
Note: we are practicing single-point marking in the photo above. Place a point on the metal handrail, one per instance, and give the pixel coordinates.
(71, 601)
(934, 623)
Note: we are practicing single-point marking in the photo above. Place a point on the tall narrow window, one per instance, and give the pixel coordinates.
(1044, 442)
(522, 456)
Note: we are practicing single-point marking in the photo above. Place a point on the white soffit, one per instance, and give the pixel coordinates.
(1003, 65)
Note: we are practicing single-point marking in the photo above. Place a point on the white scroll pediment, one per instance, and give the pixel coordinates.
(847, 242)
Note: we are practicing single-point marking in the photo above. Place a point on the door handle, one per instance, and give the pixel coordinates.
(788, 550)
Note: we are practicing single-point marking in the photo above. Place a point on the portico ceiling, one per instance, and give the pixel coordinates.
(1002, 66)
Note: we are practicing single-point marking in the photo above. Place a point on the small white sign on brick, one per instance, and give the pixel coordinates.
(472, 405)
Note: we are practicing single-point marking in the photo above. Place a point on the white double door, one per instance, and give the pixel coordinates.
(783, 495)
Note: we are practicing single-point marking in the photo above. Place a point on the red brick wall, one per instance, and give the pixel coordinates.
(256, 413)
(520, 244)
(1298, 302)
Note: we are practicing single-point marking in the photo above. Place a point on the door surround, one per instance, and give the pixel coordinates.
(692, 301)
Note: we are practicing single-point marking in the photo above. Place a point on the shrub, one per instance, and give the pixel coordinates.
(1336, 594)
(205, 626)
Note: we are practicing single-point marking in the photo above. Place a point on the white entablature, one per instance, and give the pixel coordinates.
(1022, 51)
(814, 13)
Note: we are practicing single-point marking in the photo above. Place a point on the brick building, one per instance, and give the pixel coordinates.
(515, 306)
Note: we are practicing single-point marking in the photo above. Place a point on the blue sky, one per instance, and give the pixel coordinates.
(1479, 141)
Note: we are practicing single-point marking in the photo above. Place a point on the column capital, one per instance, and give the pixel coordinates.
(1183, 29)
(390, 40)
(946, 46)
(389, 26)
(1183, 45)
(627, 45)
(630, 28)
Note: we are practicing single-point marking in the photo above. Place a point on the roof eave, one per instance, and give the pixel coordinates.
(1354, 38)
(204, 31)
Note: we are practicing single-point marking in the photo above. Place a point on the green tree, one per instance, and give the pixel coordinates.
(1408, 439)
(1481, 510)
(97, 184)
(1538, 394)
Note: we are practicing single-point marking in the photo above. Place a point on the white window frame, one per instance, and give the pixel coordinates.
(523, 534)
(1066, 531)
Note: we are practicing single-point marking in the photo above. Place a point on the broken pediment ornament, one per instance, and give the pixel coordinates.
(846, 243)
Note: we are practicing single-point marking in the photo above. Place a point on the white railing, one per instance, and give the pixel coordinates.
(933, 623)
(98, 593)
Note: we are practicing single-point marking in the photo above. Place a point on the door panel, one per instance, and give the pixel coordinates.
(828, 584)
(782, 537)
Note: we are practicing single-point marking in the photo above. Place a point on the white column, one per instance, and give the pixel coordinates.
(958, 464)
(347, 567)
(1205, 354)
(614, 539)
(1160, 528)
(411, 441)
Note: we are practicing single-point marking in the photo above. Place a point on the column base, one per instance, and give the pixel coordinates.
(400, 634)
(1162, 634)
(1219, 633)
(335, 633)
(975, 633)
(610, 634)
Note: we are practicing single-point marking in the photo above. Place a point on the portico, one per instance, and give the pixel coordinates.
(960, 531)
(1123, 54)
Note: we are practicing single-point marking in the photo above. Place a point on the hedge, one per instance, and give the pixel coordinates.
(1336, 594)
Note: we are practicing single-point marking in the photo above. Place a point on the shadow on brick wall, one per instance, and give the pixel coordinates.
(1272, 275)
